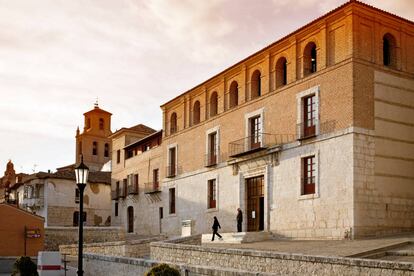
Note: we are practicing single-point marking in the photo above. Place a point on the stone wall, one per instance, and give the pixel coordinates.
(55, 236)
(273, 262)
(106, 265)
(136, 248)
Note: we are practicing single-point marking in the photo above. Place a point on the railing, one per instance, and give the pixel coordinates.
(152, 187)
(133, 189)
(210, 159)
(122, 192)
(34, 201)
(171, 171)
(115, 195)
(304, 132)
(257, 142)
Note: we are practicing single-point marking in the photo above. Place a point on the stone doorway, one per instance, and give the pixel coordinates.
(255, 203)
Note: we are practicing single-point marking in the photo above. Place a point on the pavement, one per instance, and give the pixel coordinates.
(340, 248)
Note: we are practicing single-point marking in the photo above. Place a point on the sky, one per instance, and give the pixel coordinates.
(58, 56)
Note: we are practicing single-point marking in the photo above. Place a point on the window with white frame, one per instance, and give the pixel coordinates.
(212, 194)
(308, 113)
(172, 161)
(212, 147)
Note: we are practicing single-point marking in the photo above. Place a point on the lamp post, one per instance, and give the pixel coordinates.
(81, 173)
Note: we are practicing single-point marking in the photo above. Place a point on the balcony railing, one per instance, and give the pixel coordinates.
(122, 193)
(115, 195)
(152, 187)
(303, 131)
(257, 142)
(133, 189)
(33, 202)
(210, 159)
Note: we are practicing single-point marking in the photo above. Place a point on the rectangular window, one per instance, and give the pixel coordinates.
(77, 195)
(155, 178)
(309, 116)
(172, 162)
(118, 156)
(125, 186)
(95, 148)
(212, 191)
(212, 149)
(106, 150)
(255, 132)
(172, 200)
(116, 209)
(308, 180)
(136, 183)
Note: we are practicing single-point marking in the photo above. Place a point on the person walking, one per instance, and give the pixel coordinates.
(239, 219)
(216, 226)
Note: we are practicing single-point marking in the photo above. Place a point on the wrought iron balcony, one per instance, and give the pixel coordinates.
(171, 171)
(210, 159)
(133, 189)
(115, 195)
(152, 187)
(257, 142)
(122, 192)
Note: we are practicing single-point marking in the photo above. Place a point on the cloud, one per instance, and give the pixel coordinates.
(58, 56)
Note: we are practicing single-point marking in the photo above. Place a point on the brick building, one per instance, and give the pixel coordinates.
(312, 137)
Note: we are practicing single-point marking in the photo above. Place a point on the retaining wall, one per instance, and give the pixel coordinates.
(56, 236)
(273, 262)
(121, 266)
(134, 248)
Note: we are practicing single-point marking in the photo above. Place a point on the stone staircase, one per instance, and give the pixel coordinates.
(241, 237)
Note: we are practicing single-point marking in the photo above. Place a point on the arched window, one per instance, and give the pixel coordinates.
(281, 72)
(234, 94)
(130, 219)
(213, 104)
(106, 151)
(196, 113)
(101, 123)
(173, 123)
(95, 148)
(389, 50)
(256, 87)
(309, 59)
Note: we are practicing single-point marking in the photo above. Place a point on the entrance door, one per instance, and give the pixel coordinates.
(130, 219)
(255, 203)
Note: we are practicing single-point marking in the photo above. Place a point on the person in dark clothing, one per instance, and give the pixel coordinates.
(239, 220)
(216, 226)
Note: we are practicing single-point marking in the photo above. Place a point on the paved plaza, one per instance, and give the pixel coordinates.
(340, 248)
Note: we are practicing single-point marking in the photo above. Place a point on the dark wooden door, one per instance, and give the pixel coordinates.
(255, 203)
(130, 219)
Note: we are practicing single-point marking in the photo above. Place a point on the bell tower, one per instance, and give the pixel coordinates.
(93, 141)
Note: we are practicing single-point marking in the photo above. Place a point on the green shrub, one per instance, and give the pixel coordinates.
(162, 270)
(25, 266)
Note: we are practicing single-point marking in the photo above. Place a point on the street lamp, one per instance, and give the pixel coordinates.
(81, 173)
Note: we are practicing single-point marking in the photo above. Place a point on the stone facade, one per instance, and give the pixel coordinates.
(131, 248)
(361, 144)
(53, 196)
(55, 236)
(274, 262)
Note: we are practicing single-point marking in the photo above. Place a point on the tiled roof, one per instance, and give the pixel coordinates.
(142, 128)
(94, 177)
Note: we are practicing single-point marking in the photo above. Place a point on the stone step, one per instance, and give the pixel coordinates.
(241, 237)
